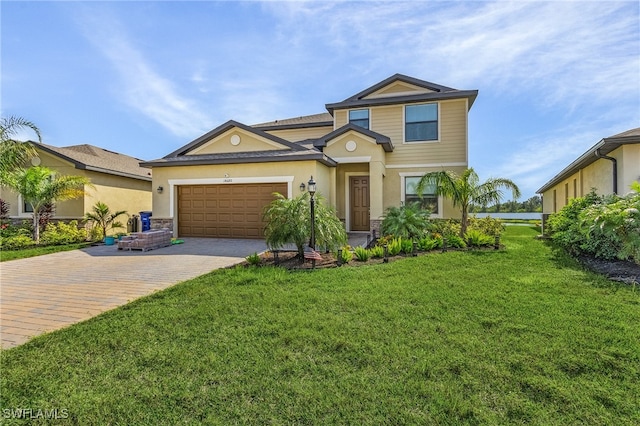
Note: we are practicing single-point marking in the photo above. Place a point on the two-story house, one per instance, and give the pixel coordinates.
(366, 154)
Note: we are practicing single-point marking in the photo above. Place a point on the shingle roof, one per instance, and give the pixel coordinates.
(93, 158)
(380, 139)
(603, 147)
(438, 92)
(314, 120)
(301, 154)
(223, 128)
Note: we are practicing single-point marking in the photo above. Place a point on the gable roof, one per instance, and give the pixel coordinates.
(223, 128)
(96, 159)
(290, 151)
(315, 120)
(437, 92)
(380, 139)
(603, 147)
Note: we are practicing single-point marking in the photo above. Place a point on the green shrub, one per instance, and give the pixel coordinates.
(377, 252)
(612, 230)
(564, 226)
(605, 227)
(253, 259)
(428, 243)
(346, 254)
(455, 241)
(446, 227)
(63, 233)
(486, 225)
(9, 230)
(394, 246)
(406, 246)
(16, 242)
(476, 238)
(362, 254)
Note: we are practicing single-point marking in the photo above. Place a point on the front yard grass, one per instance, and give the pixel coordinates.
(6, 255)
(515, 336)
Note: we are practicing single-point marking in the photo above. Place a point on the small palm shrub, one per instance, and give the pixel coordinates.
(253, 259)
(103, 218)
(476, 238)
(377, 252)
(362, 254)
(407, 221)
(288, 221)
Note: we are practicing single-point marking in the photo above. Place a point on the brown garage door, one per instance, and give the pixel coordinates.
(224, 211)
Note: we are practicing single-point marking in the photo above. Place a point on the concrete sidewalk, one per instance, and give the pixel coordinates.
(50, 292)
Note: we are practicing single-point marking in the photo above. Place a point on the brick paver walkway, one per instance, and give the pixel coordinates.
(46, 293)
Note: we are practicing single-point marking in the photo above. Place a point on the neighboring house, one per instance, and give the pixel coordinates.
(608, 167)
(366, 154)
(118, 181)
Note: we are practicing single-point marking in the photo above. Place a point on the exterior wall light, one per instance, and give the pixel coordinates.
(302, 187)
(160, 189)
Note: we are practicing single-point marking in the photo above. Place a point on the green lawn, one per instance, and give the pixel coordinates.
(6, 255)
(516, 336)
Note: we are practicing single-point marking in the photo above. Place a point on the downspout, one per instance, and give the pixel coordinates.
(615, 169)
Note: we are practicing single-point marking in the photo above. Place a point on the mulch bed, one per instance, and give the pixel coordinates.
(616, 270)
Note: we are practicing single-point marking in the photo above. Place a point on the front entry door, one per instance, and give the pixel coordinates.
(359, 190)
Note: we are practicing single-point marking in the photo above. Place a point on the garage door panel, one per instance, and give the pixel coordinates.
(224, 211)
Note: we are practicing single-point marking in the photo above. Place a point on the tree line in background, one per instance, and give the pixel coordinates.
(532, 205)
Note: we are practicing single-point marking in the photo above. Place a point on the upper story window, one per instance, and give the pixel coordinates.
(429, 199)
(359, 117)
(421, 122)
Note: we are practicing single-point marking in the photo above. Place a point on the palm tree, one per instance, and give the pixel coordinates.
(13, 153)
(466, 189)
(407, 221)
(40, 186)
(102, 217)
(288, 221)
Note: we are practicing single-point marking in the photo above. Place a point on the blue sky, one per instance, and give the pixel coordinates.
(144, 78)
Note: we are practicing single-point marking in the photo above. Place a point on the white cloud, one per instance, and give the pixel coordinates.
(143, 88)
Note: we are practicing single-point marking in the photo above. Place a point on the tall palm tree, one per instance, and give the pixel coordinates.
(41, 185)
(13, 153)
(466, 189)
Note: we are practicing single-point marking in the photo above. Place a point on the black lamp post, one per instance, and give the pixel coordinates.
(311, 187)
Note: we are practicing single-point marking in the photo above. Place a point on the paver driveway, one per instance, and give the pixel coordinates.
(49, 292)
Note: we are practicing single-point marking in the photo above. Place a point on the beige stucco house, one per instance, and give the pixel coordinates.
(118, 181)
(609, 167)
(365, 153)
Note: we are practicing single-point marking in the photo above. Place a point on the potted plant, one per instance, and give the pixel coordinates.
(104, 219)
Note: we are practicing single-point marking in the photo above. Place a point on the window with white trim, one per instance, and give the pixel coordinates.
(428, 200)
(359, 117)
(421, 122)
